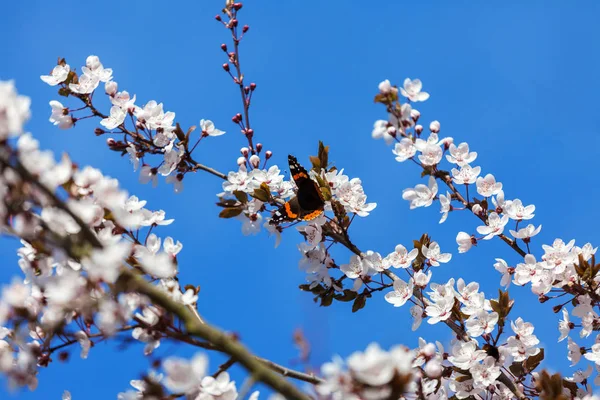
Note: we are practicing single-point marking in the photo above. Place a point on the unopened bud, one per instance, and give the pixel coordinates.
(252, 86)
(237, 6)
(433, 369)
(226, 67)
(557, 308)
(391, 130)
(241, 161)
(415, 114)
(244, 151)
(268, 154)
(111, 142)
(99, 131)
(259, 147)
(419, 129)
(224, 47)
(63, 356)
(385, 87)
(428, 350)
(245, 28)
(110, 88)
(255, 160)
(218, 17)
(543, 298)
(477, 209)
(250, 132)
(233, 23)
(434, 126)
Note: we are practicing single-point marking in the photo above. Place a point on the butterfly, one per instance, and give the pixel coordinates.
(307, 204)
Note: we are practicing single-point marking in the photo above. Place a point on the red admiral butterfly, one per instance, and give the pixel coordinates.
(307, 204)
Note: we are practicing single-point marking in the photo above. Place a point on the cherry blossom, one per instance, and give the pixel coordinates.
(526, 233)
(516, 211)
(58, 75)
(14, 110)
(401, 294)
(466, 175)
(487, 186)
(412, 90)
(208, 128)
(86, 85)
(421, 195)
(460, 154)
(506, 271)
(116, 118)
(404, 150)
(495, 226)
(380, 131)
(434, 254)
(400, 257)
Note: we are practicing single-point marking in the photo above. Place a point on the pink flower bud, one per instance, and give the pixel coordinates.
(110, 88)
(391, 130)
(241, 161)
(255, 160)
(385, 87)
(224, 47)
(477, 209)
(419, 129)
(259, 147)
(252, 86)
(415, 114)
(268, 154)
(244, 151)
(245, 28)
(428, 350)
(226, 67)
(434, 126)
(433, 369)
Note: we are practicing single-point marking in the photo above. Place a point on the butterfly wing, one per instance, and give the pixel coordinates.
(308, 203)
(299, 174)
(290, 211)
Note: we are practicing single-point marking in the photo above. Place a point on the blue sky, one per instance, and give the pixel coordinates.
(516, 81)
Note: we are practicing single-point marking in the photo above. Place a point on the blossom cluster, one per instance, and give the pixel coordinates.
(563, 268)
(78, 232)
(251, 178)
(154, 130)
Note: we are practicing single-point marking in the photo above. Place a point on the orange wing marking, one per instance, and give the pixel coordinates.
(300, 175)
(288, 211)
(312, 215)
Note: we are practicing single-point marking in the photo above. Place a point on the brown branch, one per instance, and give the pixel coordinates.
(130, 281)
(344, 240)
